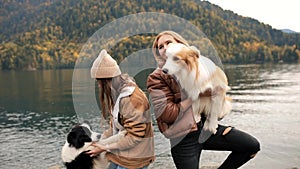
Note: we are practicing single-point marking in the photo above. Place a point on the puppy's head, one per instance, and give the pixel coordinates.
(80, 134)
(181, 57)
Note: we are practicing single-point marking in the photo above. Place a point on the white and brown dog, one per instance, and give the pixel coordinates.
(196, 74)
(79, 142)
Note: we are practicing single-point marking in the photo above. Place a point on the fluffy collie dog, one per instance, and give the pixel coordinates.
(196, 74)
(79, 142)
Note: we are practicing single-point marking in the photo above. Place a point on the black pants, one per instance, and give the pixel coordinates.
(186, 153)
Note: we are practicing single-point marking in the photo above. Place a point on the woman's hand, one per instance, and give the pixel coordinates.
(97, 150)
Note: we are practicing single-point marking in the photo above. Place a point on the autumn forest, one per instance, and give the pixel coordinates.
(49, 34)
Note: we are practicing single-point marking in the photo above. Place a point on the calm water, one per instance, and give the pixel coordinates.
(37, 111)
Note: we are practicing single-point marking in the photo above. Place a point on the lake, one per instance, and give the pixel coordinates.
(38, 108)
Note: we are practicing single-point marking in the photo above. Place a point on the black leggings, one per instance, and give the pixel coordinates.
(243, 147)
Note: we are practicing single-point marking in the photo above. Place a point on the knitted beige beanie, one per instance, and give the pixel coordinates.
(105, 66)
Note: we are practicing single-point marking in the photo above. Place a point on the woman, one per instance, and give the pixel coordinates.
(127, 107)
(175, 119)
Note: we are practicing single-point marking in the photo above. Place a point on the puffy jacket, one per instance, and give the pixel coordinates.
(173, 118)
(136, 148)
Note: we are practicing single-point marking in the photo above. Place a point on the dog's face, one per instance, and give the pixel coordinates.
(180, 58)
(80, 134)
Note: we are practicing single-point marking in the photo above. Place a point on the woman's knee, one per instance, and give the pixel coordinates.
(254, 144)
(247, 142)
(253, 147)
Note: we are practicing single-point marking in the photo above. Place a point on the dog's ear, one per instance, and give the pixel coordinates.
(77, 140)
(71, 138)
(84, 138)
(197, 51)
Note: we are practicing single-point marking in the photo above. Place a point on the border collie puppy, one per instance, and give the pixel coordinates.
(78, 142)
(197, 74)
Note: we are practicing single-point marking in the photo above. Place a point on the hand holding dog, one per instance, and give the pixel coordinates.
(97, 150)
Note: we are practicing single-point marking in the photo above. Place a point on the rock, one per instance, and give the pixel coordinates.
(209, 167)
(55, 167)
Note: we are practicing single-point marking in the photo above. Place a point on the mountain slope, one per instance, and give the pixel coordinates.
(50, 33)
(288, 31)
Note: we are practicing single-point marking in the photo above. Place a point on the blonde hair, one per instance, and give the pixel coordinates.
(175, 35)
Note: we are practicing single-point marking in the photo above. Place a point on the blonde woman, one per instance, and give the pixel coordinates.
(175, 119)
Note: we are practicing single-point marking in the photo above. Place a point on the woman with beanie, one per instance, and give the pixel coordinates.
(127, 108)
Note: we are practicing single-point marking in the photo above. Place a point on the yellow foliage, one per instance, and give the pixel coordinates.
(252, 46)
(76, 55)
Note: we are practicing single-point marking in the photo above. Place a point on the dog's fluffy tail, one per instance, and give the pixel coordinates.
(227, 106)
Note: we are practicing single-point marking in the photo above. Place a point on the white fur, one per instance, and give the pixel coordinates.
(94, 135)
(211, 77)
(68, 153)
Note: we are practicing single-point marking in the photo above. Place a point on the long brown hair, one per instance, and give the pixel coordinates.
(105, 96)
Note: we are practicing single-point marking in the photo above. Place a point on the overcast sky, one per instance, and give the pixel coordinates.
(277, 13)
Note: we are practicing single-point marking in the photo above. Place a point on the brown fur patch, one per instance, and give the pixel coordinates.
(218, 73)
(190, 58)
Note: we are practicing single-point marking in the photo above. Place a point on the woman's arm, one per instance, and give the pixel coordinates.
(107, 133)
(135, 116)
(166, 100)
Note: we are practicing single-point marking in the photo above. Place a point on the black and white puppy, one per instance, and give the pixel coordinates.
(78, 142)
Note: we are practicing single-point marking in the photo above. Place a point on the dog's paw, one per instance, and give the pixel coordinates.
(211, 126)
